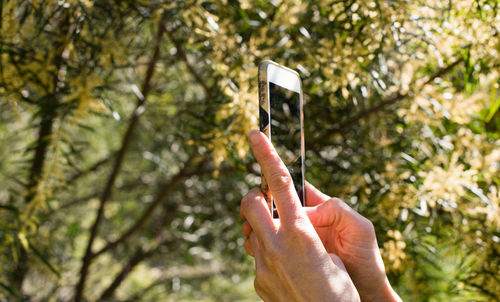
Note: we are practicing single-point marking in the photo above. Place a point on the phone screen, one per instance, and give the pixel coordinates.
(286, 131)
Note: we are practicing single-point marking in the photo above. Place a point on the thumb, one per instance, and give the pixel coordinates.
(337, 215)
(314, 196)
(326, 213)
(332, 213)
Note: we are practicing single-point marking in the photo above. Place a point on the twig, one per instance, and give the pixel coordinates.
(181, 53)
(92, 168)
(141, 101)
(166, 219)
(48, 110)
(392, 99)
(166, 189)
(139, 256)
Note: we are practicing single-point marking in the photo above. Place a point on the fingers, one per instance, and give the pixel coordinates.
(260, 283)
(256, 252)
(314, 196)
(277, 176)
(337, 261)
(246, 229)
(248, 247)
(254, 209)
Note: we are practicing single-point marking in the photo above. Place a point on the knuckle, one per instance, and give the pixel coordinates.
(280, 181)
(337, 205)
(336, 202)
(246, 229)
(297, 226)
(272, 252)
(368, 225)
(243, 209)
(246, 201)
(273, 255)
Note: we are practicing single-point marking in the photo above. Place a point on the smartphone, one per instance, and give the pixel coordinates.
(281, 118)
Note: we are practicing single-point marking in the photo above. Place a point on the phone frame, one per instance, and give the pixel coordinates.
(289, 79)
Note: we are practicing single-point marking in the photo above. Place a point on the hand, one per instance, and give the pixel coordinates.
(291, 262)
(351, 236)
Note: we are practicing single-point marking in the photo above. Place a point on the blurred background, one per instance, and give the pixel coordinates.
(123, 154)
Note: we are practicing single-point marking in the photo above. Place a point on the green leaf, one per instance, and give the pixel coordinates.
(495, 104)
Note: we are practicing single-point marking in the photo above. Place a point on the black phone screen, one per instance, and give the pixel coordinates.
(285, 131)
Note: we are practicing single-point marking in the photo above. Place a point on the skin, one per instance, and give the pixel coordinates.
(291, 262)
(293, 247)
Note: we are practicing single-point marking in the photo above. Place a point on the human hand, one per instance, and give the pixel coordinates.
(291, 262)
(351, 236)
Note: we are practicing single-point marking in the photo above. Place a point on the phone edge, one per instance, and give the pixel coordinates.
(264, 121)
(265, 127)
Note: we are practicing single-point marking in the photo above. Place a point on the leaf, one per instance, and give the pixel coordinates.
(494, 107)
(23, 240)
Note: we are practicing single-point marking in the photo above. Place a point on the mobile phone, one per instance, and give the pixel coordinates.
(281, 119)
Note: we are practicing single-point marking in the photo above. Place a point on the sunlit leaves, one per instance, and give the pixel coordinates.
(411, 144)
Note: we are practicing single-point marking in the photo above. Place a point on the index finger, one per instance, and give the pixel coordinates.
(277, 176)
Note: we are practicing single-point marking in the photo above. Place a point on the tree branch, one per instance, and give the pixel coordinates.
(92, 168)
(166, 189)
(183, 273)
(48, 112)
(139, 256)
(141, 101)
(78, 200)
(181, 53)
(392, 99)
(167, 217)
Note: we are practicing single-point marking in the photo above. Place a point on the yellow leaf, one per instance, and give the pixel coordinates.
(23, 240)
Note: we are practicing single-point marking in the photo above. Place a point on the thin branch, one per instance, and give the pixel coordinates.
(127, 186)
(166, 218)
(391, 100)
(48, 110)
(181, 53)
(395, 98)
(139, 256)
(141, 101)
(184, 274)
(164, 192)
(92, 168)
(166, 189)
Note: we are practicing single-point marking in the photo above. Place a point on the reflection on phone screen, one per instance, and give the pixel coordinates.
(285, 131)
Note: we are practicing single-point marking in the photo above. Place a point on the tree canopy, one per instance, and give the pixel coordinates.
(123, 153)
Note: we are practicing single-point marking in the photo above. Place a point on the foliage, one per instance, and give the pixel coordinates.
(123, 154)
